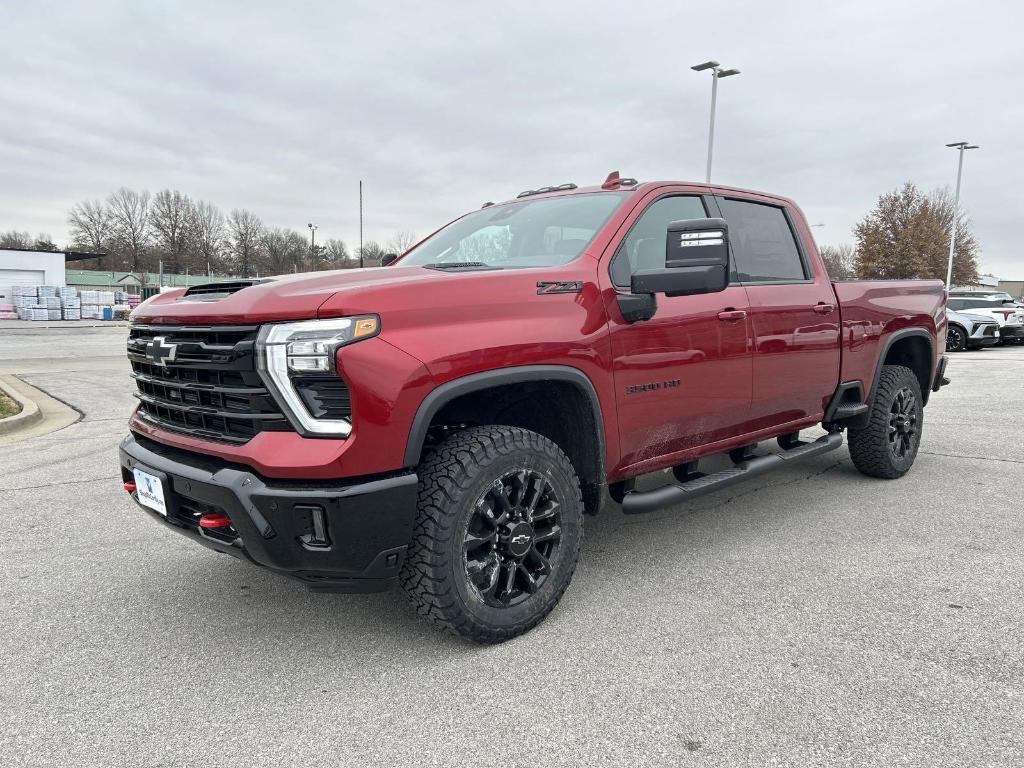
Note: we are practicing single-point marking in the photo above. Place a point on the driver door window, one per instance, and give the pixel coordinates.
(644, 246)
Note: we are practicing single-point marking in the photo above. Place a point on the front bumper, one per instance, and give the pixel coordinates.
(333, 537)
(1011, 332)
(974, 342)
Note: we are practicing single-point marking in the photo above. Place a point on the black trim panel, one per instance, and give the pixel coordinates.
(367, 522)
(893, 337)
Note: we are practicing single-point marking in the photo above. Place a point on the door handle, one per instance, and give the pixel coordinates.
(732, 314)
(824, 309)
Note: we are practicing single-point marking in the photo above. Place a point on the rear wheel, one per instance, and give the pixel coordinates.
(497, 534)
(888, 445)
(956, 339)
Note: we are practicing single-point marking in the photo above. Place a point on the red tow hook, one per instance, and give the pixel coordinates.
(130, 487)
(214, 520)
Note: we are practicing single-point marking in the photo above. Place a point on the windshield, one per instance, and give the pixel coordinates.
(527, 233)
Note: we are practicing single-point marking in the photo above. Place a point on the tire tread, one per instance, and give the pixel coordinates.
(869, 449)
(445, 476)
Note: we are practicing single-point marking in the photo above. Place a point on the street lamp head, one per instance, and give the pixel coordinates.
(971, 146)
(705, 65)
(957, 144)
(727, 72)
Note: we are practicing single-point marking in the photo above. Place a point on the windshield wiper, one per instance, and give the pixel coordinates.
(460, 265)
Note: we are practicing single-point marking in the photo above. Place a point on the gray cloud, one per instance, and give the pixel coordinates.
(441, 106)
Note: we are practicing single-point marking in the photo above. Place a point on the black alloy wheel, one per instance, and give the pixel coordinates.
(902, 423)
(497, 532)
(512, 537)
(956, 339)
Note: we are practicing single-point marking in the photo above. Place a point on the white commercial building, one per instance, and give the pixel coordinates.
(29, 268)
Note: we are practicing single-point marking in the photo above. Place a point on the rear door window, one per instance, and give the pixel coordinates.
(763, 243)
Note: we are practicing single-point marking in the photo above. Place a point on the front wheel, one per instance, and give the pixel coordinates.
(497, 535)
(956, 339)
(888, 445)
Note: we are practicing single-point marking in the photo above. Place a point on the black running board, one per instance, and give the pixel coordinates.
(637, 502)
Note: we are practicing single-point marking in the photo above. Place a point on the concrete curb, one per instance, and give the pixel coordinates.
(29, 414)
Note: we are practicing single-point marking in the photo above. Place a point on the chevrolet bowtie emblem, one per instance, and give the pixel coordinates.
(160, 352)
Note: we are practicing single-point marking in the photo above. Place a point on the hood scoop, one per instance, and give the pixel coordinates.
(215, 291)
(460, 266)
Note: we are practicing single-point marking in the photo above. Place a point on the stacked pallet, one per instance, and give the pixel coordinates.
(7, 312)
(23, 297)
(71, 308)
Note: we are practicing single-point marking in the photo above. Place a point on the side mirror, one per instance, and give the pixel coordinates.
(388, 259)
(696, 260)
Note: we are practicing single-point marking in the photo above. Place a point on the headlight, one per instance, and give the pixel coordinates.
(290, 355)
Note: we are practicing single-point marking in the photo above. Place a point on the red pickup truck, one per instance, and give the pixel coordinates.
(446, 422)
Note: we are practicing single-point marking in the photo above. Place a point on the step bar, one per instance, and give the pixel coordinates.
(638, 502)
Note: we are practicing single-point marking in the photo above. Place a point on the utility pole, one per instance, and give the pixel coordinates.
(716, 73)
(960, 146)
(360, 223)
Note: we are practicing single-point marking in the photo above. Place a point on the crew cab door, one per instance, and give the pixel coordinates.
(794, 313)
(682, 378)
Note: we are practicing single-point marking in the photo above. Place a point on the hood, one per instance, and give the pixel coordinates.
(974, 318)
(290, 297)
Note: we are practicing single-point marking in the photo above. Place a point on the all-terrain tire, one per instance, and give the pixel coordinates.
(896, 405)
(455, 478)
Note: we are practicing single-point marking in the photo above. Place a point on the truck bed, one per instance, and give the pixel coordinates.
(871, 310)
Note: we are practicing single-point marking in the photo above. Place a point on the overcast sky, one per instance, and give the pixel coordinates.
(439, 107)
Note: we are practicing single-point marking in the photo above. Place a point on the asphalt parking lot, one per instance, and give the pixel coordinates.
(810, 617)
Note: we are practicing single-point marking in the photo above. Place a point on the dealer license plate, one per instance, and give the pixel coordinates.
(150, 491)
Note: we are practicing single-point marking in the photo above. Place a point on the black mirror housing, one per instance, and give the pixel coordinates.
(697, 242)
(696, 260)
(388, 259)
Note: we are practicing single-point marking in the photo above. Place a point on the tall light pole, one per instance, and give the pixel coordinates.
(716, 73)
(312, 244)
(961, 146)
(360, 223)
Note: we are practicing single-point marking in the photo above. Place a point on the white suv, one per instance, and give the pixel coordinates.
(1007, 314)
(969, 331)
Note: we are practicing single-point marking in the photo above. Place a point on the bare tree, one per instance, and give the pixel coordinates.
(15, 239)
(336, 255)
(285, 249)
(209, 233)
(840, 260)
(246, 232)
(44, 242)
(371, 254)
(400, 242)
(129, 211)
(906, 235)
(91, 227)
(171, 218)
